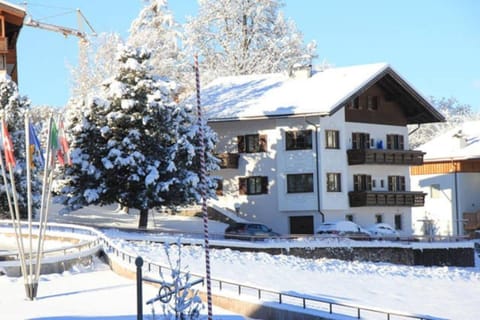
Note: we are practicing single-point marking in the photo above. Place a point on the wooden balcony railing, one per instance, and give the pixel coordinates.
(228, 160)
(385, 156)
(386, 198)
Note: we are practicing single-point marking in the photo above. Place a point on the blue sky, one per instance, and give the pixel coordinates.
(433, 44)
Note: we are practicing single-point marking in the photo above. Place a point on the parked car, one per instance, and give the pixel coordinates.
(383, 231)
(346, 229)
(249, 231)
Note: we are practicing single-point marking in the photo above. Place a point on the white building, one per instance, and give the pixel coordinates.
(317, 146)
(450, 176)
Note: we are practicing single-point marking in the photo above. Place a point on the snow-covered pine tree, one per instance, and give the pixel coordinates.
(13, 108)
(136, 147)
(235, 37)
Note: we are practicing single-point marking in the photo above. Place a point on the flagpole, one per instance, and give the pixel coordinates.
(28, 160)
(41, 225)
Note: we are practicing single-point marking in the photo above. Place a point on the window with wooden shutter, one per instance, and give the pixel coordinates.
(396, 183)
(395, 142)
(360, 140)
(252, 143)
(253, 185)
(362, 182)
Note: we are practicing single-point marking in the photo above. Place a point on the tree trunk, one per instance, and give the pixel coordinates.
(143, 219)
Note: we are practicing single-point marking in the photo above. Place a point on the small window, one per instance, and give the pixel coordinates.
(253, 185)
(298, 140)
(395, 142)
(435, 192)
(396, 183)
(354, 103)
(298, 183)
(252, 143)
(372, 102)
(398, 222)
(362, 182)
(349, 217)
(333, 182)
(332, 139)
(378, 218)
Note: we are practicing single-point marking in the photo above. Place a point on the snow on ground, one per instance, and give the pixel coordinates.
(444, 292)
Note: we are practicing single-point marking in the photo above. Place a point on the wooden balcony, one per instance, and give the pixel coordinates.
(385, 156)
(228, 160)
(386, 198)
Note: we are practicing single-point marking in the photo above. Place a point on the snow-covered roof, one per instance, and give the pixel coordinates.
(462, 142)
(12, 6)
(274, 95)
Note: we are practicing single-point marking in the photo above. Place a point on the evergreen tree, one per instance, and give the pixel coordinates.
(236, 37)
(13, 110)
(135, 147)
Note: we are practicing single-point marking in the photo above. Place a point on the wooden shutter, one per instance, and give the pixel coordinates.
(242, 185)
(262, 143)
(368, 182)
(264, 184)
(400, 142)
(241, 144)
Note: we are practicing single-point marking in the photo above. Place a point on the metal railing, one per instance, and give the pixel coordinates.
(305, 302)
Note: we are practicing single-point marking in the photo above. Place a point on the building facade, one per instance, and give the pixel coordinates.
(11, 21)
(332, 145)
(450, 178)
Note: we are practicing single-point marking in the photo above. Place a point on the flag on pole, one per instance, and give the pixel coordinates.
(35, 145)
(7, 145)
(63, 144)
(55, 146)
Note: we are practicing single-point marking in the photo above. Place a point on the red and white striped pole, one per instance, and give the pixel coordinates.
(203, 186)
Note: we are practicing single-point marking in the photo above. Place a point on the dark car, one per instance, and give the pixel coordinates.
(249, 231)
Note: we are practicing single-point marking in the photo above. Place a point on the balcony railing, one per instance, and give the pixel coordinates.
(385, 156)
(228, 160)
(386, 198)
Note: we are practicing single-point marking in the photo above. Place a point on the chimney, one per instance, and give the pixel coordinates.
(300, 71)
(462, 140)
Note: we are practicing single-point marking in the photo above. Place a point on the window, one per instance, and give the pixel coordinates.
(435, 192)
(251, 143)
(395, 142)
(378, 218)
(298, 140)
(362, 182)
(332, 139)
(349, 217)
(398, 222)
(372, 102)
(253, 185)
(360, 140)
(396, 183)
(354, 103)
(297, 183)
(333, 182)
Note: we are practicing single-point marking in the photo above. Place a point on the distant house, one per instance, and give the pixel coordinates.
(450, 176)
(11, 21)
(315, 146)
